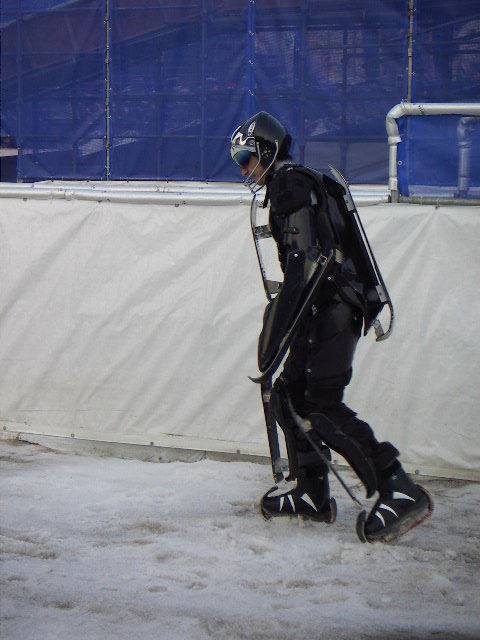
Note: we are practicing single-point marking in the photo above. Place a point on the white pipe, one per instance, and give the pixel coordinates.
(110, 186)
(139, 197)
(153, 195)
(417, 109)
(464, 130)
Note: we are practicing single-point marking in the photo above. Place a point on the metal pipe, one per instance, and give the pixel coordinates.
(251, 18)
(109, 188)
(126, 197)
(464, 130)
(439, 201)
(417, 109)
(107, 90)
(179, 196)
(203, 96)
(411, 25)
(18, 60)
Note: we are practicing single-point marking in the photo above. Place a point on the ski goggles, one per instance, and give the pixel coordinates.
(241, 157)
(242, 149)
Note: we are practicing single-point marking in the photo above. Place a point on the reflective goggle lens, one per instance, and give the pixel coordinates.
(241, 157)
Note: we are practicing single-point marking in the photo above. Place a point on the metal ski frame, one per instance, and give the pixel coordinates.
(271, 286)
(381, 287)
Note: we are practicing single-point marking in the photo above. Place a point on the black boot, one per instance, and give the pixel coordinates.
(402, 505)
(309, 499)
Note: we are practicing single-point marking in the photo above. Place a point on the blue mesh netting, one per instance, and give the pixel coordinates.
(178, 83)
(437, 151)
(53, 87)
(440, 156)
(183, 73)
(186, 78)
(447, 51)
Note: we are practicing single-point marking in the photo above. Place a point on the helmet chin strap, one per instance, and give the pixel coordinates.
(249, 181)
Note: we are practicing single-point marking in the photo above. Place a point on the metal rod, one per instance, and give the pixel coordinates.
(163, 194)
(302, 63)
(343, 116)
(203, 97)
(107, 89)
(118, 196)
(306, 427)
(417, 109)
(411, 27)
(251, 57)
(439, 201)
(464, 136)
(19, 136)
(411, 13)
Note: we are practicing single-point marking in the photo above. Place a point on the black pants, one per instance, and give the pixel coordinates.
(318, 369)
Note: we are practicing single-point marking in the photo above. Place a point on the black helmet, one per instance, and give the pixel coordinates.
(262, 135)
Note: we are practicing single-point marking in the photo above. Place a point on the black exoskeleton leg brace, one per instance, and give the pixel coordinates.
(302, 458)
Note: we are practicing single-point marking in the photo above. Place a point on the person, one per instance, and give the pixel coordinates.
(319, 363)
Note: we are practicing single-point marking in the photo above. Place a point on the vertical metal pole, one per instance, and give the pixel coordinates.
(203, 98)
(303, 101)
(107, 90)
(251, 57)
(74, 104)
(411, 23)
(20, 144)
(410, 42)
(344, 142)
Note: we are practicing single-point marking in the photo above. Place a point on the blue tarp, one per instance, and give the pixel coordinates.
(439, 156)
(53, 87)
(182, 74)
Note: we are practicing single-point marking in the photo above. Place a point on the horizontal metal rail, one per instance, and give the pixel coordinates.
(169, 193)
(439, 201)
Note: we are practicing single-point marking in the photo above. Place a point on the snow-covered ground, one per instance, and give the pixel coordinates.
(101, 548)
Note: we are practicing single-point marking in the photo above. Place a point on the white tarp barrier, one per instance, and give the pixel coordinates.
(138, 323)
